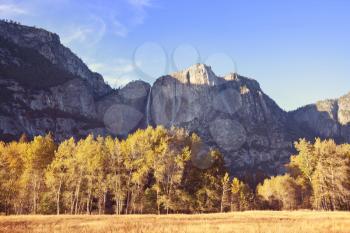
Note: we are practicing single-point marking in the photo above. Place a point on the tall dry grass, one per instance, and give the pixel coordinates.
(242, 222)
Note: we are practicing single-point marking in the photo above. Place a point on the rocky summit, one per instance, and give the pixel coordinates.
(44, 87)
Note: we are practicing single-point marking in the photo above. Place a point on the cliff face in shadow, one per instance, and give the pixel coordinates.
(44, 88)
(326, 119)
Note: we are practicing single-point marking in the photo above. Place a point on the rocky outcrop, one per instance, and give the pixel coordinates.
(44, 88)
(124, 110)
(230, 113)
(325, 119)
(48, 45)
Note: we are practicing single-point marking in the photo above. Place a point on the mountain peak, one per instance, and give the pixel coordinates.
(48, 45)
(198, 74)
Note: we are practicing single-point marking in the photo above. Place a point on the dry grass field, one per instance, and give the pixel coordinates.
(245, 222)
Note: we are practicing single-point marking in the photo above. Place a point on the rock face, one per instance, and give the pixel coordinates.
(326, 119)
(45, 87)
(48, 45)
(231, 113)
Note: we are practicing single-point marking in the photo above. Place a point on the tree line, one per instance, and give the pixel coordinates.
(152, 171)
(10, 21)
(156, 171)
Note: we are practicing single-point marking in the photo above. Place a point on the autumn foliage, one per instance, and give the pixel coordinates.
(160, 171)
(319, 178)
(152, 171)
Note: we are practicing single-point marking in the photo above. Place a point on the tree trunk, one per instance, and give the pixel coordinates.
(158, 206)
(34, 195)
(128, 193)
(127, 203)
(117, 206)
(104, 202)
(222, 199)
(72, 203)
(77, 195)
(88, 203)
(58, 197)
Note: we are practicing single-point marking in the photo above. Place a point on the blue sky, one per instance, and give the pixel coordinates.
(298, 50)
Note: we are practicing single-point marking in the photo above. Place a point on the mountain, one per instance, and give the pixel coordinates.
(327, 119)
(44, 87)
(231, 113)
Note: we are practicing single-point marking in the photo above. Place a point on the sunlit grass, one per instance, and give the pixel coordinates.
(254, 221)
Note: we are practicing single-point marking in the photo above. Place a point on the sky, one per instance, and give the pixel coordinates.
(299, 51)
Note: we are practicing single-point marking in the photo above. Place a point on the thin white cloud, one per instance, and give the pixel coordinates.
(139, 8)
(116, 82)
(89, 34)
(140, 3)
(118, 66)
(117, 19)
(12, 9)
(116, 73)
(119, 29)
(79, 34)
(119, 22)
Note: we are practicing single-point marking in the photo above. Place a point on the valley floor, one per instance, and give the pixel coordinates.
(240, 222)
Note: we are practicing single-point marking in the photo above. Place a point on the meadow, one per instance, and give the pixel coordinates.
(247, 222)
